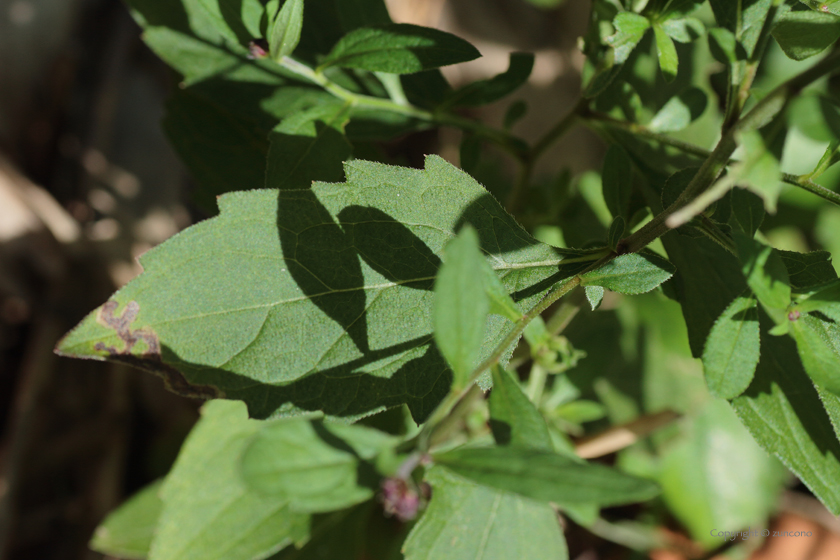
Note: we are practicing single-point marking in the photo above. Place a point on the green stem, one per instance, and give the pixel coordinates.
(536, 383)
(803, 182)
(711, 169)
(516, 147)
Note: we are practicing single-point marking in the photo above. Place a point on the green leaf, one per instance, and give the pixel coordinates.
(805, 34)
(764, 271)
(617, 181)
(616, 232)
(826, 301)
(732, 349)
(285, 33)
(683, 30)
(748, 209)
(818, 343)
(467, 520)
(758, 171)
(629, 30)
(460, 310)
(317, 299)
(697, 492)
(594, 295)
(635, 273)
(514, 113)
(313, 465)
(679, 111)
(208, 511)
(829, 6)
(667, 53)
(724, 47)
(546, 476)
(514, 419)
(707, 280)
(744, 18)
(808, 271)
(483, 92)
(309, 146)
(784, 413)
(399, 48)
(829, 158)
(127, 531)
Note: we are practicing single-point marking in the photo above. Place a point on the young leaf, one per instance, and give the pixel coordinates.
(461, 306)
(127, 531)
(743, 18)
(784, 413)
(546, 476)
(399, 48)
(679, 111)
(316, 299)
(207, 508)
(829, 158)
(309, 146)
(759, 170)
(514, 419)
(468, 520)
(594, 295)
(748, 210)
(629, 30)
(314, 466)
(616, 233)
(514, 113)
(732, 349)
(617, 181)
(805, 34)
(826, 301)
(724, 47)
(818, 343)
(487, 91)
(667, 53)
(285, 33)
(764, 271)
(632, 274)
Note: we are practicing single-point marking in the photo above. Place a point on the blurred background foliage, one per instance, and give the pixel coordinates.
(89, 181)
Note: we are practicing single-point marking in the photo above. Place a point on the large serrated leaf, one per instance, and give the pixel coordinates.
(635, 273)
(732, 349)
(467, 520)
(316, 299)
(785, 415)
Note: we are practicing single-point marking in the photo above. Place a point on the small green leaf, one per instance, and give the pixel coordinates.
(127, 531)
(314, 466)
(818, 343)
(683, 30)
(399, 48)
(667, 53)
(285, 33)
(487, 91)
(546, 476)
(208, 511)
(679, 111)
(764, 271)
(629, 30)
(829, 6)
(826, 301)
(594, 295)
(616, 233)
(514, 113)
(724, 46)
(617, 181)
(635, 273)
(744, 19)
(732, 349)
(461, 306)
(748, 209)
(807, 33)
(467, 520)
(829, 158)
(514, 419)
(309, 146)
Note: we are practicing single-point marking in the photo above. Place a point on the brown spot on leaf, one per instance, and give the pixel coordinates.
(150, 359)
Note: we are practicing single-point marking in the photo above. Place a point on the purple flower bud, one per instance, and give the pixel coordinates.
(399, 499)
(794, 315)
(258, 48)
